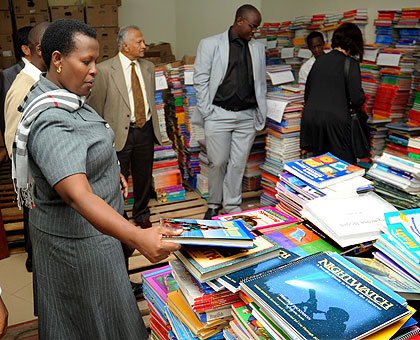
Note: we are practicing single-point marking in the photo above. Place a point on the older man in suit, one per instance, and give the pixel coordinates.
(230, 81)
(124, 94)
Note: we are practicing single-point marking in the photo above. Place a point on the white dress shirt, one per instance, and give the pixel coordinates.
(305, 69)
(126, 66)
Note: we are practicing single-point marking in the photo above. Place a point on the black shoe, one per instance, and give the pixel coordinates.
(28, 264)
(210, 213)
(137, 289)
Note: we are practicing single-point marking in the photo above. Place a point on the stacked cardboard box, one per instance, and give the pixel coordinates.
(30, 13)
(159, 53)
(103, 16)
(7, 53)
(71, 12)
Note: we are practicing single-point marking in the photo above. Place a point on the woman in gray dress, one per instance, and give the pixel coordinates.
(81, 286)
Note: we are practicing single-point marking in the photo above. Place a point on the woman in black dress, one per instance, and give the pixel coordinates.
(325, 123)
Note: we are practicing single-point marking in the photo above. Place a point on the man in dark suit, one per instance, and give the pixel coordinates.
(23, 54)
(124, 95)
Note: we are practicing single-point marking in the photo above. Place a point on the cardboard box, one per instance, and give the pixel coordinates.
(108, 49)
(168, 59)
(107, 34)
(30, 7)
(5, 23)
(102, 15)
(6, 62)
(6, 45)
(103, 2)
(30, 19)
(158, 50)
(4, 5)
(70, 12)
(65, 3)
(154, 60)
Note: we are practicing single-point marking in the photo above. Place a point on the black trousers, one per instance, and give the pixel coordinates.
(138, 153)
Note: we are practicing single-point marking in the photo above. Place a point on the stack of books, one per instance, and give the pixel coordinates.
(396, 171)
(317, 22)
(318, 297)
(252, 175)
(384, 23)
(357, 16)
(166, 175)
(311, 178)
(399, 246)
(161, 85)
(413, 147)
(299, 27)
(157, 283)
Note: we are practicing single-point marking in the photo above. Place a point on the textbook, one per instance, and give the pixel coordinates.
(210, 233)
(324, 296)
(405, 287)
(231, 280)
(323, 170)
(206, 263)
(260, 218)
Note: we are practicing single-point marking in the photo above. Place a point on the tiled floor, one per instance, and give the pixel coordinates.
(16, 284)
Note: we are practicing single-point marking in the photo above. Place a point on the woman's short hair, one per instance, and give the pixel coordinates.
(59, 36)
(349, 37)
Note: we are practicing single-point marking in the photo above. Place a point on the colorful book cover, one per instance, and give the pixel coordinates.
(231, 280)
(300, 240)
(210, 233)
(323, 170)
(244, 315)
(160, 280)
(398, 283)
(322, 296)
(300, 186)
(207, 263)
(404, 229)
(260, 218)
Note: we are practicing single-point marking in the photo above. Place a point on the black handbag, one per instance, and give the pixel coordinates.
(360, 134)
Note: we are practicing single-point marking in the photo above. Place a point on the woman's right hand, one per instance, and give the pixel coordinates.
(152, 244)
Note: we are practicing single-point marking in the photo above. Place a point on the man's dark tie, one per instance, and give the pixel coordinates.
(139, 109)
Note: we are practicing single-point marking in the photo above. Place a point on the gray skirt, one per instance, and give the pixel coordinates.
(82, 290)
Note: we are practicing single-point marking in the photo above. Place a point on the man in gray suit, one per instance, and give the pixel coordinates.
(115, 98)
(230, 81)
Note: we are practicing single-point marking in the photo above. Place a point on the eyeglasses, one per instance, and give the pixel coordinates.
(251, 26)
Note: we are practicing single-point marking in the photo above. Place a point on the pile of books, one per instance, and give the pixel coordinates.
(282, 145)
(317, 22)
(161, 85)
(399, 247)
(397, 171)
(166, 175)
(357, 16)
(252, 175)
(386, 34)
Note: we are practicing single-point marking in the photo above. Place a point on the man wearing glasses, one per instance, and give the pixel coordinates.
(230, 81)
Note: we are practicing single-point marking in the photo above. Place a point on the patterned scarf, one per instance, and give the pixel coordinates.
(21, 172)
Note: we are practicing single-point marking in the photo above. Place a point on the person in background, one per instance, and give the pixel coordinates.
(325, 125)
(124, 95)
(8, 75)
(230, 81)
(4, 315)
(17, 92)
(316, 44)
(65, 165)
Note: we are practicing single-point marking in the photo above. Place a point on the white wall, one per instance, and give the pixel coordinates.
(156, 19)
(183, 23)
(197, 19)
(282, 10)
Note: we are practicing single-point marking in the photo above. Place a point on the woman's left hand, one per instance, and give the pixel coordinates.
(124, 186)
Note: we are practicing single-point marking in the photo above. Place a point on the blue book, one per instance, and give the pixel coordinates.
(322, 296)
(324, 170)
(231, 280)
(233, 233)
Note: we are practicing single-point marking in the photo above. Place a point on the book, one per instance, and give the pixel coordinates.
(210, 232)
(323, 170)
(323, 296)
(231, 280)
(349, 220)
(260, 218)
(407, 288)
(206, 263)
(302, 239)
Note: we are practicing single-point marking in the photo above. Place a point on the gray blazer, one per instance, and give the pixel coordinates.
(210, 68)
(109, 97)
